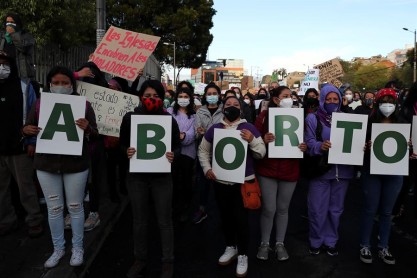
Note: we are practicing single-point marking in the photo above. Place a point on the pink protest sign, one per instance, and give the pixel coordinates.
(123, 53)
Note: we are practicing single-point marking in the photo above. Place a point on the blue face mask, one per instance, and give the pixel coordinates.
(331, 107)
(212, 99)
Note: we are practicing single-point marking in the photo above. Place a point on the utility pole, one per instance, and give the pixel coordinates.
(101, 20)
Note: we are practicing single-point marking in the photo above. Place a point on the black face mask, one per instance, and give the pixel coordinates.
(231, 113)
(311, 101)
(295, 102)
(262, 96)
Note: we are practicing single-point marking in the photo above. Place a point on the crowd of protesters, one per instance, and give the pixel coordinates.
(64, 179)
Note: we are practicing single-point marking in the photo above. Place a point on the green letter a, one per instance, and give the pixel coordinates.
(68, 127)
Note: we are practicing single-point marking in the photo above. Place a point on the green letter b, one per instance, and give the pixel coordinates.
(144, 141)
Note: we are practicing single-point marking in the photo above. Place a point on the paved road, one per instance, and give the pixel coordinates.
(197, 247)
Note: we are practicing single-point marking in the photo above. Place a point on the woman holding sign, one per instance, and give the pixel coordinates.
(158, 186)
(233, 214)
(277, 178)
(380, 191)
(58, 173)
(326, 194)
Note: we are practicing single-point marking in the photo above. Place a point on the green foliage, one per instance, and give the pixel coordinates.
(64, 22)
(185, 22)
(371, 77)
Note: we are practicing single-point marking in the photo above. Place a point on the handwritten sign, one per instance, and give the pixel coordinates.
(123, 53)
(311, 80)
(330, 70)
(109, 106)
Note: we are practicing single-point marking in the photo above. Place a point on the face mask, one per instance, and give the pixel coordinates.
(261, 96)
(183, 102)
(285, 103)
(61, 90)
(151, 104)
(212, 99)
(310, 101)
(4, 71)
(387, 109)
(295, 103)
(331, 107)
(231, 113)
(167, 103)
(247, 101)
(368, 101)
(349, 98)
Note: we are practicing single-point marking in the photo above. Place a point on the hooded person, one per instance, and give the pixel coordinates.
(19, 45)
(159, 186)
(327, 192)
(310, 101)
(14, 158)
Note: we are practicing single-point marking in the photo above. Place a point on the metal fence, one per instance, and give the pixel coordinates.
(49, 56)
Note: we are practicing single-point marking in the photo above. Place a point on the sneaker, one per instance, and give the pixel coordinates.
(281, 252)
(54, 258)
(199, 216)
(386, 256)
(67, 222)
(136, 269)
(331, 251)
(35, 231)
(314, 251)
(77, 257)
(242, 266)
(229, 255)
(263, 251)
(92, 221)
(365, 255)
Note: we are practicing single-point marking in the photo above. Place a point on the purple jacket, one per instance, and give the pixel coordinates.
(338, 170)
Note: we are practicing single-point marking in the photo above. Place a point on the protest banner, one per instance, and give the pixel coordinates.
(389, 152)
(57, 115)
(109, 106)
(330, 70)
(151, 136)
(229, 155)
(348, 136)
(311, 80)
(257, 103)
(287, 124)
(123, 53)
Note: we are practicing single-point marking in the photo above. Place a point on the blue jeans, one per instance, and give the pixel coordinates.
(53, 186)
(380, 192)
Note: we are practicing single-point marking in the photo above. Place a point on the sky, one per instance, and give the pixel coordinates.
(296, 35)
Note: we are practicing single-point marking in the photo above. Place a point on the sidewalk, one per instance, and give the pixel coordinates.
(23, 257)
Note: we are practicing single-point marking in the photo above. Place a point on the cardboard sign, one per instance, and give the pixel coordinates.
(389, 152)
(311, 80)
(348, 136)
(109, 106)
(59, 134)
(151, 137)
(229, 155)
(330, 70)
(287, 124)
(123, 53)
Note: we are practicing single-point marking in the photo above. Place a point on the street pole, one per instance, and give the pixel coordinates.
(415, 55)
(101, 20)
(173, 44)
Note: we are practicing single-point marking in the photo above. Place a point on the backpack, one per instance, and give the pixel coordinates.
(251, 194)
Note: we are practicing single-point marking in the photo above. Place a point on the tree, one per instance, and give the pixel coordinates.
(371, 77)
(64, 22)
(185, 22)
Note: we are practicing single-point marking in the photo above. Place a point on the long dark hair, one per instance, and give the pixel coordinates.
(275, 93)
(211, 85)
(64, 71)
(190, 106)
(376, 115)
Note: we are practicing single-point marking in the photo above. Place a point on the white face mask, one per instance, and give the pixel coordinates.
(247, 101)
(61, 90)
(4, 71)
(183, 102)
(349, 97)
(387, 109)
(286, 103)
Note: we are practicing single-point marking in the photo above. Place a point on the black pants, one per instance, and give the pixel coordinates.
(182, 178)
(234, 216)
(116, 157)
